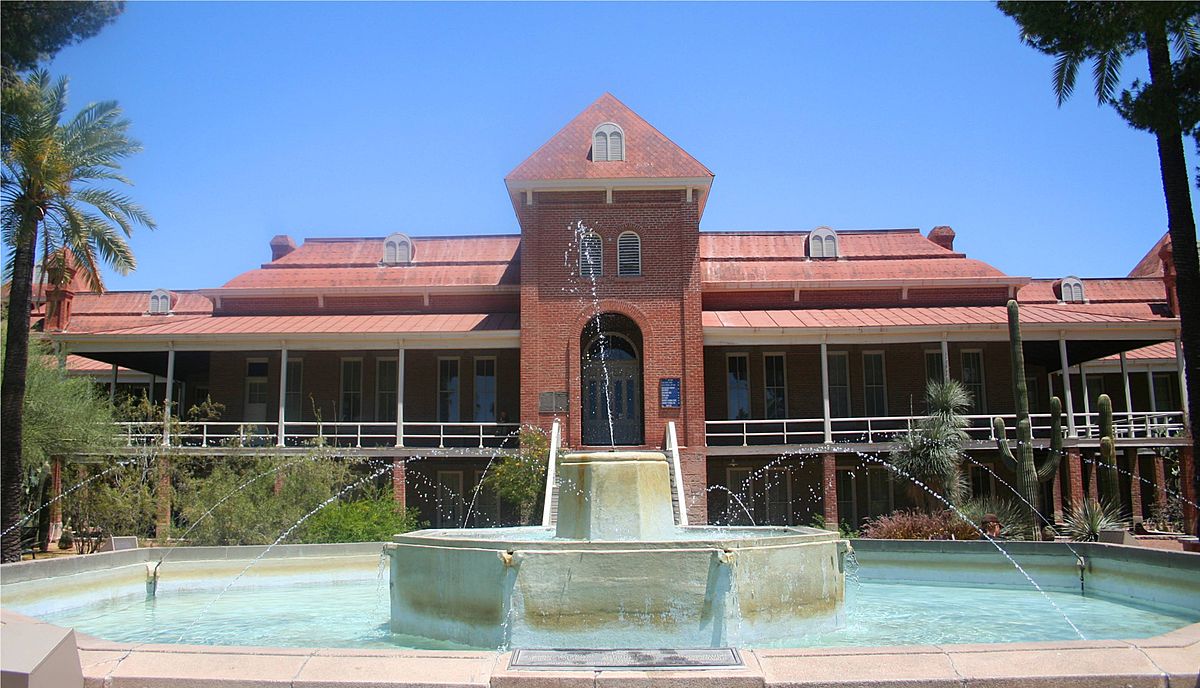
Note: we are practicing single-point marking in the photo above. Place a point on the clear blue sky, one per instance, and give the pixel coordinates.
(359, 119)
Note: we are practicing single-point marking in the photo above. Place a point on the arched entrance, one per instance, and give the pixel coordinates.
(610, 349)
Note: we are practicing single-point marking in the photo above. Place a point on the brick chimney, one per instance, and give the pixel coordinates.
(58, 308)
(1167, 256)
(281, 245)
(942, 236)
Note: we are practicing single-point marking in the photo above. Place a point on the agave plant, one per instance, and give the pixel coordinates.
(932, 453)
(1084, 523)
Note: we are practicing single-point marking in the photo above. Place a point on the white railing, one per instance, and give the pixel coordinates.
(868, 430)
(431, 435)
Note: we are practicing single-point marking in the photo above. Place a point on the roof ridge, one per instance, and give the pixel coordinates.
(414, 237)
(805, 232)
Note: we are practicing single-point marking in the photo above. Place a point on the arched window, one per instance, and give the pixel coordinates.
(397, 249)
(591, 255)
(629, 254)
(160, 302)
(1071, 289)
(608, 143)
(823, 243)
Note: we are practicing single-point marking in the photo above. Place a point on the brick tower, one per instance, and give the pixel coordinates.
(611, 338)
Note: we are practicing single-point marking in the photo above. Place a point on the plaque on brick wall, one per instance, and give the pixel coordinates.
(552, 402)
(669, 392)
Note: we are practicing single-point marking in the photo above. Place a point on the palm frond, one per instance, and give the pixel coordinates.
(1187, 40)
(1063, 80)
(117, 207)
(1106, 71)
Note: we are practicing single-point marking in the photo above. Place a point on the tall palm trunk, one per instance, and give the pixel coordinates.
(1180, 223)
(12, 392)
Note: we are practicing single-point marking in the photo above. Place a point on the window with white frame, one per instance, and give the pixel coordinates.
(778, 488)
(839, 384)
(934, 370)
(351, 406)
(485, 390)
(982, 481)
(608, 143)
(775, 385)
(847, 497)
(880, 492)
(629, 254)
(256, 389)
(972, 379)
(293, 408)
(385, 389)
(1095, 387)
(737, 385)
(1071, 290)
(448, 389)
(1166, 391)
(487, 512)
(874, 384)
(591, 255)
(823, 243)
(450, 502)
(397, 249)
(160, 302)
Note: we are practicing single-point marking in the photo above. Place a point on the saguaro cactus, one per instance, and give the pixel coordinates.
(1110, 489)
(1031, 473)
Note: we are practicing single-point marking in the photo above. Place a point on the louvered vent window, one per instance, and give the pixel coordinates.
(629, 254)
(591, 253)
(397, 250)
(1072, 290)
(608, 143)
(160, 302)
(822, 243)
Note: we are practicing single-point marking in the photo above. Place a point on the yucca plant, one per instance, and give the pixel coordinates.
(932, 452)
(1083, 524)
(56, 200)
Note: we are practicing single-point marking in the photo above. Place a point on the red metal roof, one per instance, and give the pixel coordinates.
(890, 243)
(648, 153)
(368, 251)
(395, 276)
(801, 270)
(1154, 352)
(909, 317)
(1112, 290)
(329, 324)
(1150, 265)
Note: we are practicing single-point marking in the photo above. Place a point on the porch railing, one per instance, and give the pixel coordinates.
(868, 430)
(417, 435)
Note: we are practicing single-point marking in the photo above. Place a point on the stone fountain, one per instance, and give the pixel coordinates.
(615, 572)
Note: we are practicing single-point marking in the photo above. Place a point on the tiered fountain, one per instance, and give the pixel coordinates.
(616, 572)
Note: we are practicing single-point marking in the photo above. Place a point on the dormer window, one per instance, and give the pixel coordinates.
(823, 243)
(160, 302)
(397, 250)
(608, 143)
(591, 255)
(1071, 290)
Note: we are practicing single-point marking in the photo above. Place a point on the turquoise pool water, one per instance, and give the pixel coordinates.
(355, 614)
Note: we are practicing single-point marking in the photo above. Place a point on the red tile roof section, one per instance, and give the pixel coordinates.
(648, 153)
(866, 255)
(908, 317)
(1150, 265)
(437, 261)
(330, 324)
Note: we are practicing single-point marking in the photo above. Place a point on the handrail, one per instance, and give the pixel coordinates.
(551, 470)
(672, 442)
(341, 433)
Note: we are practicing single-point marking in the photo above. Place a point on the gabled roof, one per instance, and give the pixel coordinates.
(648, 153)
(114, 310)
(1150, 265)
(1099, 291)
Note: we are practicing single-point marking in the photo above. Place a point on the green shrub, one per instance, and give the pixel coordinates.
(1013, 523)
(520, 478)
(374, 518)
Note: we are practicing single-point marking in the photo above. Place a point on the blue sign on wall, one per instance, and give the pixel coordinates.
(668, 392)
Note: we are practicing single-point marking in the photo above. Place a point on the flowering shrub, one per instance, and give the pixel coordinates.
(916, 525)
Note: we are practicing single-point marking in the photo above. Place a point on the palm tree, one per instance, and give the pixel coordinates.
(52, 202)
(932, 452)
(1105, 33)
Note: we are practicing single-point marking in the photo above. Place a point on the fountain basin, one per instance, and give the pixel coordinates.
(512, 587)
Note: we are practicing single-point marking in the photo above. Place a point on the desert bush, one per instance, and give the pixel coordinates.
(917, 525)
(246, 510)
(1013, 524)
(119, 502)
(374, 518)
(520, 478)
(1085, 522)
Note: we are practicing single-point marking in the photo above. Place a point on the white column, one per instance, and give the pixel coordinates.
(945, 360)
(1066, 378)
(1183, 392)
(1150, 386)
(400, 395)
(112, 386)
(281, 433)
(825, 392)
(1087, 402)
(167, 395)
(1128, 396)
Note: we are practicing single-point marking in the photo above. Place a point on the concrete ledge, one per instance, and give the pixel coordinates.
(1171, 659)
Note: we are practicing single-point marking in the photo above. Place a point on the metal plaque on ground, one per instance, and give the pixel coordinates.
(710, 658)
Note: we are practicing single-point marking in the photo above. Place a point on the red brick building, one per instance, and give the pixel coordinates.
(783, 361)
